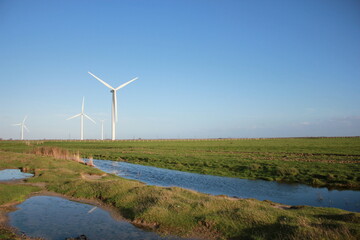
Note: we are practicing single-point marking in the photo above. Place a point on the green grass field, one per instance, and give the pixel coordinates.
(331, 162)
(174, 210)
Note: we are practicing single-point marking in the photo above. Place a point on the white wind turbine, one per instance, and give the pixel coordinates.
(114, 117)
(102, 129)
(81, 115)
(22, 126)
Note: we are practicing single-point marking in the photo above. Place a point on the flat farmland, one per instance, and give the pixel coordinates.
(330, 162)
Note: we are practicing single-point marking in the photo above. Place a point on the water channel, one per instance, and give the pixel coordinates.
(57, 218)
(290, 194)
(13, 174)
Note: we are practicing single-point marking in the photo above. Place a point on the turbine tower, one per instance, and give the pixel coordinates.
(114, 117)
(82, 115)
(22, 126)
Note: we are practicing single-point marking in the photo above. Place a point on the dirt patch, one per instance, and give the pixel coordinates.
(282, 206)
(10, 182)
(24, 182)
(37, 184)
(278, 205)
(92, 176)
(202, 231)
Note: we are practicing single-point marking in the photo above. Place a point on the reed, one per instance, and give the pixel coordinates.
(59, 153)
(90, 162)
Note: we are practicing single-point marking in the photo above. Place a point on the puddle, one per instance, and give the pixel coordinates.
(289, 194)
(56, 218)
(13, 174)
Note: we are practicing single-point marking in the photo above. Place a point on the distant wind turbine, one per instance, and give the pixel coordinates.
(102, 129)
(114, 116)
(82, 115)
(22, 126)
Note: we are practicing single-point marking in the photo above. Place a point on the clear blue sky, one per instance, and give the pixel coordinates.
(206, 68)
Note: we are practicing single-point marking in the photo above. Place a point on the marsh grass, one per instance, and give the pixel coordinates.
(183, 212)
(15, 193)
(321, 162)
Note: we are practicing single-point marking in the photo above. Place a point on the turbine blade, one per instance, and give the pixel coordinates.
(82, 107)
(24, 119)
(103, 82)
(89, 118)
(123, 85)
(77, 115)
(26, 128)
(16, 124)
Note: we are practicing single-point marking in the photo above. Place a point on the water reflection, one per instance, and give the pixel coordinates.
(57, 219)
(13, 174)
(291, 194)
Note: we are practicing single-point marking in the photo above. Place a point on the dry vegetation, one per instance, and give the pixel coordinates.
(58, 153)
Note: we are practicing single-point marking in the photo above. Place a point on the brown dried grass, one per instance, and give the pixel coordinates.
(57, 152)
(90, 162)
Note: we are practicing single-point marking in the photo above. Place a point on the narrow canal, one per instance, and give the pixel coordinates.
(290, 194)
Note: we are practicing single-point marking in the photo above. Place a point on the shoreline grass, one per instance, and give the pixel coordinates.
(183, 212)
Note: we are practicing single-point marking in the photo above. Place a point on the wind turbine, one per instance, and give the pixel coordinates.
(102, 129)
(82, 115)
(114, 117)
(22, 126)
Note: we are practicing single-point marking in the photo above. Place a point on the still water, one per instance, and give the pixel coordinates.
(290, 194)
(57, 218)
(13, 174)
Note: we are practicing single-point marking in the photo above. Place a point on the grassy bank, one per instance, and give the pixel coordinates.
(331, 162)
(179, 211)
(10, 194)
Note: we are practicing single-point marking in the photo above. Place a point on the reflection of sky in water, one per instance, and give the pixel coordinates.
(291, 194)
(57, 219)
(13, 174)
